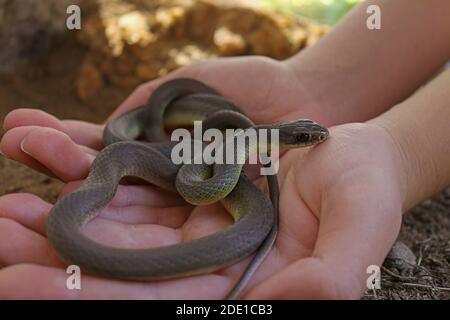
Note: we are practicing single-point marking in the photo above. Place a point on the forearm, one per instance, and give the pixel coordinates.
(357, 73)
(420, 129)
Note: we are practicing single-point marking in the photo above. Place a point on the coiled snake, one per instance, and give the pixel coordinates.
(175, 103)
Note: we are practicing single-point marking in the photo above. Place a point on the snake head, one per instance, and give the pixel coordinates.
(301, 133)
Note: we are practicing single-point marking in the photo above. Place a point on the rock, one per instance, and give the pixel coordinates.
(400, 257)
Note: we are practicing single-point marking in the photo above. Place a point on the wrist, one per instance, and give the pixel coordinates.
(400, 157)
(417, 168)
(419, 129)
(327, 86)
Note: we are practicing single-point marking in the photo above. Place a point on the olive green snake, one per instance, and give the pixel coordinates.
(175, 103)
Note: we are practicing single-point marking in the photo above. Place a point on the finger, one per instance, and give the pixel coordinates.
(136, 236)
(356, 231)
(200, 223)
(25, 245)
(32, 212)
(146, 195)
(21, 245)
(52, 149)
(105, 231)
(172, 217)
(40, 282)
(26, 209)
(10, 148)
(82, 133)
(142, 204)
(206, 220)
(136, 195)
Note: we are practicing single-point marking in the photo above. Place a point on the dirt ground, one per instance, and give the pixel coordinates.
(49, 83)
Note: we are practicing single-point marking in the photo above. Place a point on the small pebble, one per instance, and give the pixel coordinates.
(400, 257)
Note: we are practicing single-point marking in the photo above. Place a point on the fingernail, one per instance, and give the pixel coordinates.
(22, 147)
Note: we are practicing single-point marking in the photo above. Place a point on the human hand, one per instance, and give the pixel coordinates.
(65, 149)
(267, 90)
(340, 211)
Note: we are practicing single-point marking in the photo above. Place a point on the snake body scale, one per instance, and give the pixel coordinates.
(175, 103)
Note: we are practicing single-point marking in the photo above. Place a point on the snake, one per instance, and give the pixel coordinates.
(137, 145)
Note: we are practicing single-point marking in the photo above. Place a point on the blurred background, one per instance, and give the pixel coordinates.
(323, 11)
(85, 74)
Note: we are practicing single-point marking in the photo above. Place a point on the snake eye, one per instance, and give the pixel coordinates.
(303, 137)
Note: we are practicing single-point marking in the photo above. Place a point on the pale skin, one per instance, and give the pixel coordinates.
(341, 202)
